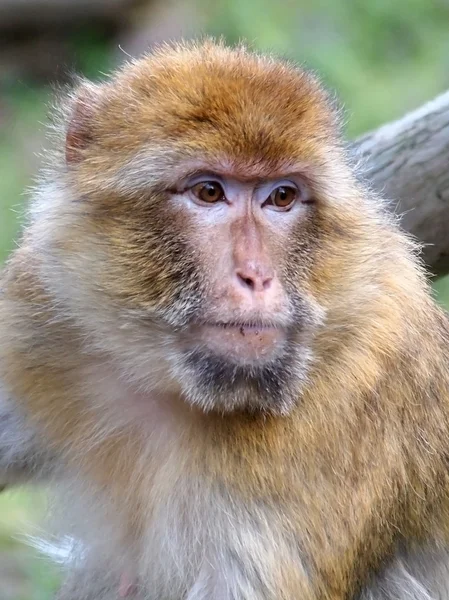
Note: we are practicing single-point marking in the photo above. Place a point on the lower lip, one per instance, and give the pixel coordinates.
(242, 342)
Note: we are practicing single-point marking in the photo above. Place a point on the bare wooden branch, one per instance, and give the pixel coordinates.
(408, 161)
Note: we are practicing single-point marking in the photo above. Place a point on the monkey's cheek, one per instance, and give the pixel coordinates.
(242, 344)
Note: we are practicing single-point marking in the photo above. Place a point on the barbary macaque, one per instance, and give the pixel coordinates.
(220, 351)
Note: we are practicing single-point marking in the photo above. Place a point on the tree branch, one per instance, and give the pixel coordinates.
(408, 161)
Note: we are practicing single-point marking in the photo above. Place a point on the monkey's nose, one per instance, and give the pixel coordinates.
(254, 279)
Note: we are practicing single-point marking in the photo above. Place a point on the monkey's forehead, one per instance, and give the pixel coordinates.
(207, 98)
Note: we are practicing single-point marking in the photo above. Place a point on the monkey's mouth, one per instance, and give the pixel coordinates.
(241, 341)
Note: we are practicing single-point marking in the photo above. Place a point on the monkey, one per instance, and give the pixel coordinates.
(22, 459)
(219, 348)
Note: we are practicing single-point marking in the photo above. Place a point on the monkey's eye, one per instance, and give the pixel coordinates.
(208, 191)
(282, 198)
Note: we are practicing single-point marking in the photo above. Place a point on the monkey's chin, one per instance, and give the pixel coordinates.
(241, 344)
(224, 382)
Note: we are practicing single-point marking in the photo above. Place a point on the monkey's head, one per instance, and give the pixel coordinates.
(209, 224)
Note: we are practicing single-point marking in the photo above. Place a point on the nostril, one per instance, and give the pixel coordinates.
(255, 283)
(246, 281)
(266, 283)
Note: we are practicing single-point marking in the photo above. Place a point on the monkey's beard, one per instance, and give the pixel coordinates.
(215, 383)
(224, 381)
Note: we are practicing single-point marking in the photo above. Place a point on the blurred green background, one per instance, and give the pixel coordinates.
(383, 58)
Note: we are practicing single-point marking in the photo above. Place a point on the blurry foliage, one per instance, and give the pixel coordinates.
(92, 52)
(382, 57)
(25, 108)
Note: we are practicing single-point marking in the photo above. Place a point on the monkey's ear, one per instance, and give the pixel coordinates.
(79, 130)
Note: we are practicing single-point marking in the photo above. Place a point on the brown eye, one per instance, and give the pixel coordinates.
(283, 197)
(208, 191)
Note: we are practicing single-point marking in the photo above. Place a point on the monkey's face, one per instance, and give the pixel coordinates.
(242, 325)
(204, 196)
(214, 270)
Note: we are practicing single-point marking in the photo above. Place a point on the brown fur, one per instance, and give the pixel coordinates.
(305, 505)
